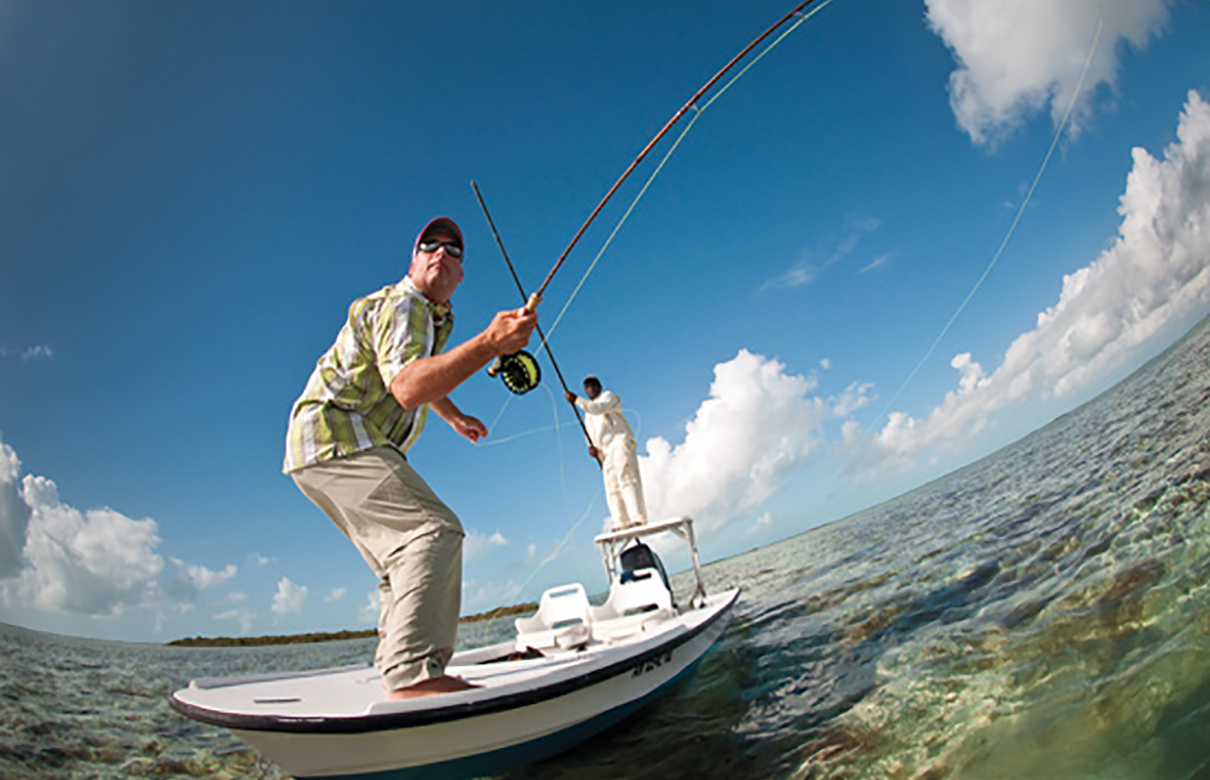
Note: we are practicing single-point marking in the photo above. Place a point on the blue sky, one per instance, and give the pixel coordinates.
(193, 193)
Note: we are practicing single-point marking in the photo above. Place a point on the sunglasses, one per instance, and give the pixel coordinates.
(451, 249)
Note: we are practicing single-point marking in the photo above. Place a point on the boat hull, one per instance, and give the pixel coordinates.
(514, 725)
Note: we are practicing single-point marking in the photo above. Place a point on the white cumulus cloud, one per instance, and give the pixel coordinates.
(198, 578)
(482, 596)
(758, 423)
(100, 562)
(241, 616)
(1018, 57)
(476, 544)
(97, 562)
(289, 597)
(760, 524)
(371, 609)
(14, 514)
(1154, 277)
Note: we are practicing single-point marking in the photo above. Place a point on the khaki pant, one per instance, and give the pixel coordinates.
(412, 542)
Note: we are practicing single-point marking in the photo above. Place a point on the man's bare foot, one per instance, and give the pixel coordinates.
(431, 687)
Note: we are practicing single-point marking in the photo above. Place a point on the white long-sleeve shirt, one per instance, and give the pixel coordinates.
(606, 424)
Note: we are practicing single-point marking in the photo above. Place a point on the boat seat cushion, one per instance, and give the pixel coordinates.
(635, 599)
(563, 620)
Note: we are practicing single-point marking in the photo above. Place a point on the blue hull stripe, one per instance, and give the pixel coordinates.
(497, 761)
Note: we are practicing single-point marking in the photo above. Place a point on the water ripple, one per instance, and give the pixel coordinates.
(1043, 613)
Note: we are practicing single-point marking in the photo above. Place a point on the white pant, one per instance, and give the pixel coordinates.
(623, 486)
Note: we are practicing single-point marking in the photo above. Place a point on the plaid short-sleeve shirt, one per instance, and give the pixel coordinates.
(347, 405)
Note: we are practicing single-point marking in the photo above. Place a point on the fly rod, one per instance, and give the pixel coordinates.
(675, 117)
(520, 370)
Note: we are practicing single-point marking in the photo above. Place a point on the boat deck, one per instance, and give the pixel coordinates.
(291, 701)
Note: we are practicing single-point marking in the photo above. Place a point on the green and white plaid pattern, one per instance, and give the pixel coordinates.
(347, 405)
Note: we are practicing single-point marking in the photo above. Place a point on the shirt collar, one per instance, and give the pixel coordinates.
(439, 311)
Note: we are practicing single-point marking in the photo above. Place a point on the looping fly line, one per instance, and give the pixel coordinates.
(528, 381)
(525, 376)
(1012, 227)
(697, 114)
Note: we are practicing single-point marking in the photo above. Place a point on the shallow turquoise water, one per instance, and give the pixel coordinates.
(1044, 613)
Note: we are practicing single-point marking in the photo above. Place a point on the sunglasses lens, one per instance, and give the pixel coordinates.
(451, 249)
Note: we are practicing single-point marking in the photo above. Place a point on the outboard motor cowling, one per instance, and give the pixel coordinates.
(640, 556)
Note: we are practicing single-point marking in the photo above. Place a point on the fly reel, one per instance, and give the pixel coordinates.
(519, 371)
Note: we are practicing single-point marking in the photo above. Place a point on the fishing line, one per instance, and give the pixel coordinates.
(558, 426)
(520, 370)
(1012, 228)
(508, 399)
(543, 429)
(550, 556)
(554, 402)
(697, 115)
(554, 412)
(698, 111)
(558, 548)
(524, 434)
(802, 17)
(691, 103)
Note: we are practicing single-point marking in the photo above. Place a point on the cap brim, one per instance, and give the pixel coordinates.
(441, 225)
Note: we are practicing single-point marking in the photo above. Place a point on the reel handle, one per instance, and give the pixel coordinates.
(531, 305)
(519, 371)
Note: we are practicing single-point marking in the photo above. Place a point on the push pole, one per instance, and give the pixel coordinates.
(521, 289)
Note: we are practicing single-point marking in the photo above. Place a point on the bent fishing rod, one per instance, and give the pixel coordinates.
(675, 118)
(521, 368)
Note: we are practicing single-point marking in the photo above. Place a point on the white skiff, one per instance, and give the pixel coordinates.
(574, 669)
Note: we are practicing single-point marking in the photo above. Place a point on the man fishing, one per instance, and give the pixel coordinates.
(363, 407)
(612, 443)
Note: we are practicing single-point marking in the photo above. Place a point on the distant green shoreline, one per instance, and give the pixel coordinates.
(329, 636)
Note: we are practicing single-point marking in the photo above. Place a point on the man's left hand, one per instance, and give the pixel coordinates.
(470, 427)
(570, 396)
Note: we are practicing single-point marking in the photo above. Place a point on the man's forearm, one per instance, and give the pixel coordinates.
(429, 380)
(600, 406)
(446, 409)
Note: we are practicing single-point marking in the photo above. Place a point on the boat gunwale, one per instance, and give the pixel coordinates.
(387, 721)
